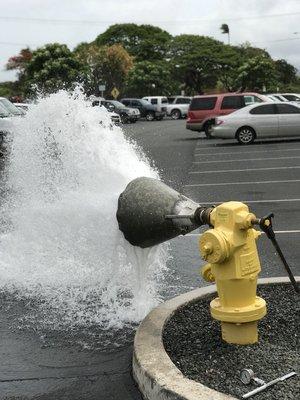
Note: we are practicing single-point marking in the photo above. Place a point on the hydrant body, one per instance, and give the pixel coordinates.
(230, 249)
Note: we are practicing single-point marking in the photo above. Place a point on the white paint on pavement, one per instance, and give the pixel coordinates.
(245, 152)
(242, 170)
(246, 159)
(242, 183)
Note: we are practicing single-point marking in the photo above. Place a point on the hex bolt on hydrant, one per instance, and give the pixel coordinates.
(231, 252)
(150, 212)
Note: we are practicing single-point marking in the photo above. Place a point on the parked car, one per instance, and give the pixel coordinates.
(7, 113)
(23, 106)
(159, 102)
(10, 107)
(291, 96)
(126, 114)
(204, 109)
(278, 96)
(259, 121)
(146, 109)
(97, 102)
(178, 106)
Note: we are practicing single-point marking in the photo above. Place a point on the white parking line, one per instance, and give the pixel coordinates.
(245, 152)
(245, 159)
(295, 231)
(254, 201)
(243, 170)
(242, 183)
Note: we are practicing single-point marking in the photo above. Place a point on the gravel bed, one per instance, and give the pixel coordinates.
(193, 342)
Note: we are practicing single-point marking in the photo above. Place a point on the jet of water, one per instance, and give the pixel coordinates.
(61, 246)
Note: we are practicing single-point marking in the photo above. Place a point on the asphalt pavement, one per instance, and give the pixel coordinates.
(265, 175)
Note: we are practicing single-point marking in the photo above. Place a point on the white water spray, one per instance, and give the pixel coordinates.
(62, 247)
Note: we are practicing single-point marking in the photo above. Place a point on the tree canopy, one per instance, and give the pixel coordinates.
(146, 60)
(143, 42)
(107, 65)
(53, 67)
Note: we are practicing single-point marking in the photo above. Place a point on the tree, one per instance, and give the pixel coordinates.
(256, 74)
(247, 51)
(107, 65)
(200, 61)
(150, 78)
(144, 42)
(52, 67)
(20, 61)
(286, 72)
(225, 29)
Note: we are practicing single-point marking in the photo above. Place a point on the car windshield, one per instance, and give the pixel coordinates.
(3, 112)
(117, 104)
(11, 109)
(145, 102)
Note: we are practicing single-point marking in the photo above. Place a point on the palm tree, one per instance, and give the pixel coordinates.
(225, 29)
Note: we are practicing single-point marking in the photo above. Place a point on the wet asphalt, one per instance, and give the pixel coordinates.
(265, 175)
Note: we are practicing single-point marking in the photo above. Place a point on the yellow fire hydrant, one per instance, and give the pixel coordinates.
(230, 249)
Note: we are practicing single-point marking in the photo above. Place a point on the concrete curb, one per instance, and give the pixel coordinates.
(154, 372)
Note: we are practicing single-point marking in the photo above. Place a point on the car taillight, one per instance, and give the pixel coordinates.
(219, 122)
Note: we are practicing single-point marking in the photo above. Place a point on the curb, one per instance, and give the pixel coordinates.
(154, 372)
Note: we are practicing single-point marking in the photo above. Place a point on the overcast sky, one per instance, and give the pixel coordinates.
(270, 24)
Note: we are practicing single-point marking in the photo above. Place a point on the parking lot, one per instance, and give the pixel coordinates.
(264, 175)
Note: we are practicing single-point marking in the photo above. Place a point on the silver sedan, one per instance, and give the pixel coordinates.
(259, 121)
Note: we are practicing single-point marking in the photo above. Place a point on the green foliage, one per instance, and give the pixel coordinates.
(201, 61)
(107, 65)
(149, 79)
(52, 67)
(7, 89)
(256, 74)
(224, 28)
(146, 60)
(247, 51)
(286, 72)
(144, 42)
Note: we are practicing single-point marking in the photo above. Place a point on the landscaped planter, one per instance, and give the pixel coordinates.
(196, 351)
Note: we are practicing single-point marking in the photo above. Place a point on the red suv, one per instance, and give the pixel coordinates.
(204, 109)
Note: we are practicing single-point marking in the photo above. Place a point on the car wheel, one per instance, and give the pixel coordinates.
(208, 129)
(175, 114)
(150, 116)
(124, 119)
(245, 135)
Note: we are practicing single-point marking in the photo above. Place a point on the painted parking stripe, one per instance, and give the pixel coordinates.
(245, 159)
(245, 152)
(255, 201)
(243, 170)
(295, 231)
(242, 183)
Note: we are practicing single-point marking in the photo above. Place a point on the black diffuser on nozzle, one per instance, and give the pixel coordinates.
(150, 212)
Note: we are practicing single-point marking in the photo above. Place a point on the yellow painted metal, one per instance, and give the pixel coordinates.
(230, 249)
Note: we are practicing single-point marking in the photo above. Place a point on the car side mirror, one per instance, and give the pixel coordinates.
(110, 107)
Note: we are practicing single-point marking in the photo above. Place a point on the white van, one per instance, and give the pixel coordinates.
(159, 102)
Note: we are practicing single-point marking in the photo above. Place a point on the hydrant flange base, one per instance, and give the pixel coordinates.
(249, 313)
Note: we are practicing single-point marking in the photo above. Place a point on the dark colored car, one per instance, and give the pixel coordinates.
(127, 114)
(204, 109)
(146, 109)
